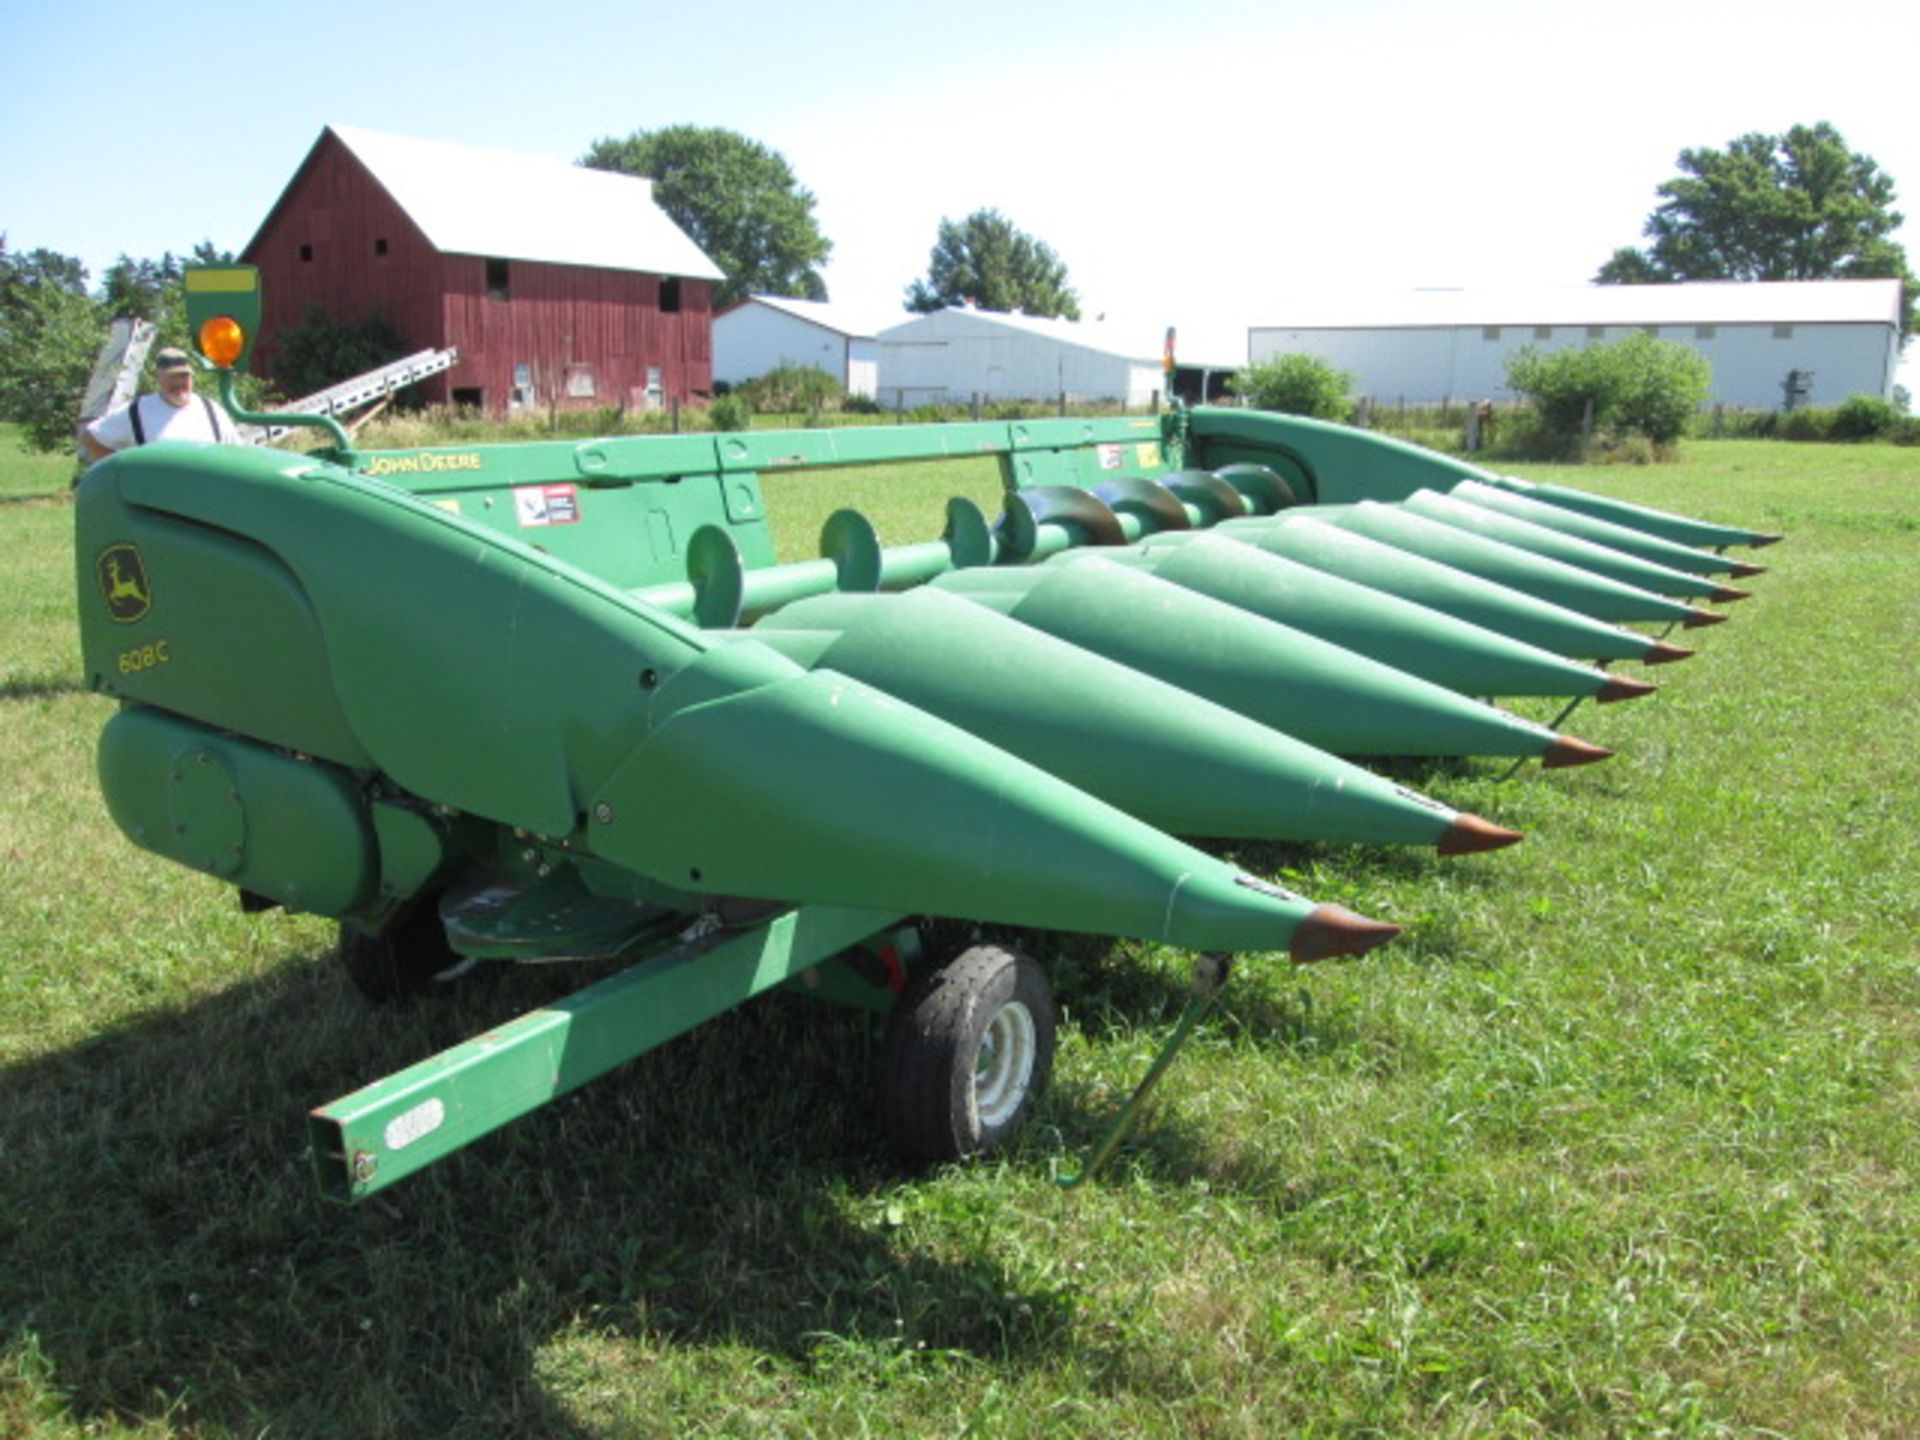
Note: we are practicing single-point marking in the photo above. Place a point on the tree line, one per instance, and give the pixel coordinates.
(743, 206)
(1796, 206)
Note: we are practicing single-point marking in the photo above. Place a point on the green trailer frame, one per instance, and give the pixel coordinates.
(364, 1142)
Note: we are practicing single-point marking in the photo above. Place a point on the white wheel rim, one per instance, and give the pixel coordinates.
(1003, 1065)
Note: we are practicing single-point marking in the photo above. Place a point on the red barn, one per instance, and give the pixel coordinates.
(557, 284)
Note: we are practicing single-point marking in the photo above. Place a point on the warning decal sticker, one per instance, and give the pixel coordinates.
(546, 505)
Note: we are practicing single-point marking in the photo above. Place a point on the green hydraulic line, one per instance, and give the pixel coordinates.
(343, 442)
(1690, 558)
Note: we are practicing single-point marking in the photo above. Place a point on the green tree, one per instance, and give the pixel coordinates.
(1296, 385)
(142, 288)
(986, 261)
(322, 351)
(1635, 386)
(1798, 206)
(738, 200)
(151, 290)
(50, 331)
(791, 389)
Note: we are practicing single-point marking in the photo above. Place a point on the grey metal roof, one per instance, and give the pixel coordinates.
(527, 207)
(852, 321)
(1702, 302)
(1135, 342)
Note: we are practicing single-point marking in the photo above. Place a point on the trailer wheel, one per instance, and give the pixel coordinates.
(409, 958)
(969, 1046)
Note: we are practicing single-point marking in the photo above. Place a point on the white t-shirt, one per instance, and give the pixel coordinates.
(161, 421)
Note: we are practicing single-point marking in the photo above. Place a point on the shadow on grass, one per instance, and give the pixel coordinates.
(41, 687)
(166, 1245)
(39, 497)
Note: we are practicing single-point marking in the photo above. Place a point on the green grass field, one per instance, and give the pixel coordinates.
(1619, 1138)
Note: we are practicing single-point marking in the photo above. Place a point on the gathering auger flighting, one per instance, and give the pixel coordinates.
(515, 702)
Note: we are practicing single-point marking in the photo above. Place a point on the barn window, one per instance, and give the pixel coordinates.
(1489, 332)
(580, 383)
(670, 295)
(1543, 332)
(1783, 332)
(1706, 332)
(496, 280)
(1596, 332)
(380, 247)
(306, 253)
(474, 399)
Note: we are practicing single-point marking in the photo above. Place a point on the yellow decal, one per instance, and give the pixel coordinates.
(145, 657)
(222, 282)
(423, 464)
(123, 580)
(449, 503)
(1148, 452)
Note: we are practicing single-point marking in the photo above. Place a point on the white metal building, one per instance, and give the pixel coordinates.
(1841, 336)
(764, 332)
(950, 356)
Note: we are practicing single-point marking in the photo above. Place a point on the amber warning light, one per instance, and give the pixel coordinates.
(222, 340)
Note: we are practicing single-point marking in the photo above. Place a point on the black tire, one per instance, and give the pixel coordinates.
(969, 1048)
(410, 958)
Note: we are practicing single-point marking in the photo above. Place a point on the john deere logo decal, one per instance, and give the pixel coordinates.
(123, 580)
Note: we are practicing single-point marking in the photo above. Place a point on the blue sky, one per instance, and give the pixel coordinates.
(1197, 161)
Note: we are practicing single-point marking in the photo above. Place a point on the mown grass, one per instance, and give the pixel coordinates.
(1618, 1138)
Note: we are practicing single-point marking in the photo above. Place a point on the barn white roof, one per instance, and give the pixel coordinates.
(527, 207)
(852, 321)
(1700, 302)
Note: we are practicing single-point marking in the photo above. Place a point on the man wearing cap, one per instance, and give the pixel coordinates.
(172, 412)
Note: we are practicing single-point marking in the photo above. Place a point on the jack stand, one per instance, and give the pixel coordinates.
(1210, 974)
(1553, 724)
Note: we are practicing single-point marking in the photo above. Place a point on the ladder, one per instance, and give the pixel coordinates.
(360, 390)
(116, 370)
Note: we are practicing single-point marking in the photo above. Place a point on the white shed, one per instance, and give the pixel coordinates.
(950, 356)
(764, 332)
(1841, 337)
